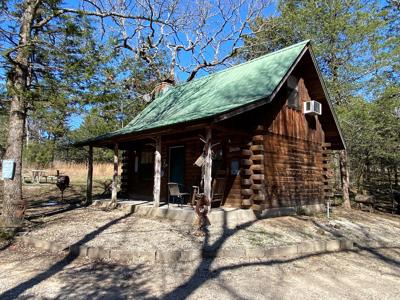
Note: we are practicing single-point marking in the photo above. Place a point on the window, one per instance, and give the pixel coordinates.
(234, 167)
(293, 92)
(217, 161)
(146, 165)
(147, 158)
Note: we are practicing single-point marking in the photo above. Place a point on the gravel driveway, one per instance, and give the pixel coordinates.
(360, 274)
(28, 274)
(117, 230)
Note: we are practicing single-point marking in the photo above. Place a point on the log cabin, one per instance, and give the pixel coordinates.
(265, 128)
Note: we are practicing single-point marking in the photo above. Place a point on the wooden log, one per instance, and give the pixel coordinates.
(257, 148)
(89, 179)
(257, 187)
(246, 152)
(246, 162)
(257, 168)
(258, 197)
(246, 172)
(246, 202)
(115, 176)
(258, 157)
(157, 172)
(257, 176)
(247, 192)
(246, 182)
(258, 137)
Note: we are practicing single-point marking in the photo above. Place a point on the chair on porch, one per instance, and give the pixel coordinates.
(175, 191)
(217, 191)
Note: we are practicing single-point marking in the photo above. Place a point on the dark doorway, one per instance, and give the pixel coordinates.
(177, 164)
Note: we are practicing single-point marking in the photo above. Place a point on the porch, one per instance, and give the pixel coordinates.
(220, 216)
(204, 156)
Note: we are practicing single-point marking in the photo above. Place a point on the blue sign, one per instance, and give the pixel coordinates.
(8, 169)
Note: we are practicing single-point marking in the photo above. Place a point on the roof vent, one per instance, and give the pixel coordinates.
(312, 108)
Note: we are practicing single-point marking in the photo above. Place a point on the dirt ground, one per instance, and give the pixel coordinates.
(373, 274)
(365, 273)
(117, 230)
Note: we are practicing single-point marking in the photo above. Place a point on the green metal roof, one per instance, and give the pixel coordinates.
(215, 94)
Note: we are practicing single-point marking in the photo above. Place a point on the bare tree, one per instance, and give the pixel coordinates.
(21, 28)
(195, 35)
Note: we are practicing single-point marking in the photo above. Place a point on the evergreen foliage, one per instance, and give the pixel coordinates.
(357, 45)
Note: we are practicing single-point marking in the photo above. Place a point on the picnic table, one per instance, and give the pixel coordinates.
(38, 174)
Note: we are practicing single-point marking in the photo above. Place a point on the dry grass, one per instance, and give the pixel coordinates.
(35, 193)
(77, 171)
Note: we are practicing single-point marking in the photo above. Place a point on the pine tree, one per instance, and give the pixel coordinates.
(345, 36)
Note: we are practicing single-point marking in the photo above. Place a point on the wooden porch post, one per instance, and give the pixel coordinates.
(208, 165)
(157, 172)
(115, 176)
(89, 179)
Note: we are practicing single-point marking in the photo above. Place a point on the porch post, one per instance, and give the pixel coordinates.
(115, 176)
(208, 165)
(157, 172)
(89, 179)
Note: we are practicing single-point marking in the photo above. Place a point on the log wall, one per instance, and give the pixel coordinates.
(126, 166)
(294, 155)
(293, 172)
(282, 155)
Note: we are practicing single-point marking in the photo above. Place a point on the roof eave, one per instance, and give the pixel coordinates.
(267, 99)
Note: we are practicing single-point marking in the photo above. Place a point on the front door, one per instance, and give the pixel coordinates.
(177, 164)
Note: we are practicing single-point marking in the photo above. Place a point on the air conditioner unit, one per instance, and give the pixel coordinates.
(312, 108)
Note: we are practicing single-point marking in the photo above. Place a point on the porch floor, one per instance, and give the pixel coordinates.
(223, 216)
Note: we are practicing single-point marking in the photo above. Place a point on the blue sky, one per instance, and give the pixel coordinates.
(75, 121)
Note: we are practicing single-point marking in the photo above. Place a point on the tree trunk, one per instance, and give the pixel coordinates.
(13, 204)
(344, 174)
(157, 173)
(17, 87)
(208, 167)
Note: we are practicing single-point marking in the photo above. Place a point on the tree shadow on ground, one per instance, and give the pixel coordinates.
(114, 281)
(4, 245)
(60, 265)
(205, 272)
(104, 280)
(52, 212)
(367, 236)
